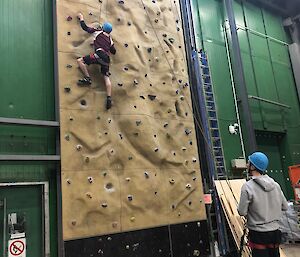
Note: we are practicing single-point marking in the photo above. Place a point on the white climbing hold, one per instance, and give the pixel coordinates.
(79, 147)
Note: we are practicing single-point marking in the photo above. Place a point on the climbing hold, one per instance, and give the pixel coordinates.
(69, 18)
(112, 151)
(79, 147)
(146, 75)
(109, 120)
(156, 150)
(138, 122)
(156, 59)
(141, 96)
(120, 84)
(126, 45)
(109, 186)
(69, 33)
(127, 247)
(90, 14)
(126, 68)
(178, 28)
(191, 142)
(136, 134)
(183, 148)
(67, 137)
(130, 198)
(154, 136)
(149, 50)
(109, 238)
(179, 214)
(98, 117)
(87, 159)
(174, 153)
(128, 179)
(172, 181)
(104, 205)
(71, 118)
(190, 203)
(180, 81)
(135, 82)
(169, 110)
(187, 131)
(194, 178)
(181, 97)
(177, 91)
(152, 97)
(196, 253)
(164, 35)
(104, 174)
(130, 158)
(188, 186)
(90, 179)
(172, 40)
(166, 124)
(146, 174)
(168, 135)
(120, 135)
(132, 219)
(115, 224)
(69, 66)
(73, 222)
(129, 23)
(156, 20)
(89, 195)
(173, 206)
(69, 181)
(121, 2)
(83, 102)
(67, 89)
(194, 159)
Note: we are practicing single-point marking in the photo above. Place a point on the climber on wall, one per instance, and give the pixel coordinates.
(103, 45)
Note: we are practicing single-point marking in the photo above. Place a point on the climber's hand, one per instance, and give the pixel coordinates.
(80, 16)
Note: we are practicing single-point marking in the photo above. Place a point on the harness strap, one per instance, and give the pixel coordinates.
(262, 246)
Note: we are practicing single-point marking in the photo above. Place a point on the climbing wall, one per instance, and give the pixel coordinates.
(135, 166)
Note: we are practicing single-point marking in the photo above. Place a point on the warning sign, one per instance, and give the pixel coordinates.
(17, 247)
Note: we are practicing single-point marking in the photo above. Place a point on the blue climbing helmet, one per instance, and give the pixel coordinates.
(259, 160)
(107, 27)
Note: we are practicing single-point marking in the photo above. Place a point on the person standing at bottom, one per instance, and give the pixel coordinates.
(104, 46)
(262, 202)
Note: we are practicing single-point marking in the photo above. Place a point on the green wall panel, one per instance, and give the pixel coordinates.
(267, 71)
(27, 91)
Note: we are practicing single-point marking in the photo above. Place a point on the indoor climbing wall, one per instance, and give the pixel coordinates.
(136, 165)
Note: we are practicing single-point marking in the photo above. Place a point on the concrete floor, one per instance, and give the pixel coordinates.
(291, 250)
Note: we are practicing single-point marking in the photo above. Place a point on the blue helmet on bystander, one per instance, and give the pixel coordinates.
(259, 160)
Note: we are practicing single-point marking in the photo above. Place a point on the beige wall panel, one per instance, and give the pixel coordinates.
(145, 146)
(91, 203)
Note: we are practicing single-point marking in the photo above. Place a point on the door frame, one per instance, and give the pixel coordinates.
(45, 210)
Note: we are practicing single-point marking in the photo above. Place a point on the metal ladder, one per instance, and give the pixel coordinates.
(211, 109)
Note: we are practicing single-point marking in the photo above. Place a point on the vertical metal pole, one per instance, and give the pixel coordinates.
(239, 71)
(60, 243)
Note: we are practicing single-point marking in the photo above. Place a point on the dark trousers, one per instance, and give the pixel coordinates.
(265, 238)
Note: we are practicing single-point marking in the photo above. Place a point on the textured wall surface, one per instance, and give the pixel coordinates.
(136, 165)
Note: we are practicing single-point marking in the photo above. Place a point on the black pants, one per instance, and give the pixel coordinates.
(268, 238)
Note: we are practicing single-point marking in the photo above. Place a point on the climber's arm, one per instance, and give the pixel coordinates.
(84, 26)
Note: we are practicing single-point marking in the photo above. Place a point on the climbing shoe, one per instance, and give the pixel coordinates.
(86, 81)
(108, 103)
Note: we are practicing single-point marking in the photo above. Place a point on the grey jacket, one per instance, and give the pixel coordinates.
(262, 201)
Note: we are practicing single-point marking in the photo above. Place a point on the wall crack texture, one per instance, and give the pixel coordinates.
(133, 166)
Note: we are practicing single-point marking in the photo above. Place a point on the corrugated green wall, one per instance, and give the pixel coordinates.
(27, 91)
(268, 75)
